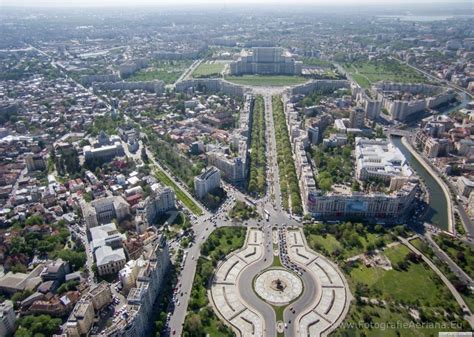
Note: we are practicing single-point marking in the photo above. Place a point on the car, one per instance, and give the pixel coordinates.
(174, 332)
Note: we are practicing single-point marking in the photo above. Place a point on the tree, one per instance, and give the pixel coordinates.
(355, 186)
(325, 184)
(194, 325)
(42, 324)
(23, 332)
(75, 259)
(34, 220)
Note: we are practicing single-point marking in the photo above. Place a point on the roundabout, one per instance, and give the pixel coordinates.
(278, 286)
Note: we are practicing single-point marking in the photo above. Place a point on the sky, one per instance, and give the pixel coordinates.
(135, 3)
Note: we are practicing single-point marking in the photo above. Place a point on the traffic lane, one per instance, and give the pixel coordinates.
(469, 225)
(303, 304)
(202, 230)
(247, 293)
(186, 278)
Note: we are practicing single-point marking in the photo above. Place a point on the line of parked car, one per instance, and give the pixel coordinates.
(285, 260)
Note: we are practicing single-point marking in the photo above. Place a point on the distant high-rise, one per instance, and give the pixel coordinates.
(266, 61)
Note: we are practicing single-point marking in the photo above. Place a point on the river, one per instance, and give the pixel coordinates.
(437, 213)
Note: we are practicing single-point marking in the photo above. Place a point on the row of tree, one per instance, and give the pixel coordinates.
(169, 155)
(286, 166)
(257, 149)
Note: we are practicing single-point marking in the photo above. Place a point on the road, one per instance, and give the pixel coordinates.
(459, 207)
(245, 282)
(187, 73)
(302, 304)
(272, 203)
(447, 187)
(272, 173)
(204, 225)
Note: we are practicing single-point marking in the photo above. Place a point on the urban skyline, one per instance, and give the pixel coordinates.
(234, 168)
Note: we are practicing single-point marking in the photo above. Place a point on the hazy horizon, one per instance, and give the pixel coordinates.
(138, 3)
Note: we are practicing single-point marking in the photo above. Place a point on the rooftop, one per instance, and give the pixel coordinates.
(381, 156)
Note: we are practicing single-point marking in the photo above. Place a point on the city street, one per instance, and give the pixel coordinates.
(203, 228)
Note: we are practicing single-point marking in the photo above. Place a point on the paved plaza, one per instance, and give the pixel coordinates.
(324, 309)
(278, 286)
(332, 297)
(224, 290)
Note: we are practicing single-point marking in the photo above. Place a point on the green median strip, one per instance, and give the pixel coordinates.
(190, 204)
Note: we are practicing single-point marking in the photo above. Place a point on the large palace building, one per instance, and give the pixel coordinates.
(266, 61)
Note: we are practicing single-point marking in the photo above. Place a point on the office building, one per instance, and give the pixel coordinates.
(161, 200)
(82, 317)
(341, 203)
(232, 169)
(103, 153)
(206, 182)
(402, 101)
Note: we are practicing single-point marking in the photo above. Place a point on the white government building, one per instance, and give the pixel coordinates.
(379, 159)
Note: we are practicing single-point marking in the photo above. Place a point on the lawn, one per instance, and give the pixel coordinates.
(276, 262)
(266, 80)
(208, 69)
(166, 71)
(329, 245)
(410, 284)
(383, 321)
(404, 286)
(361, 80)
(367, 73)
(417, 286)
(425, 249)
(190, 204)
(241, 211)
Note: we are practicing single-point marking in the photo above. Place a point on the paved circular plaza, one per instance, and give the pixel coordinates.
(278, 286)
